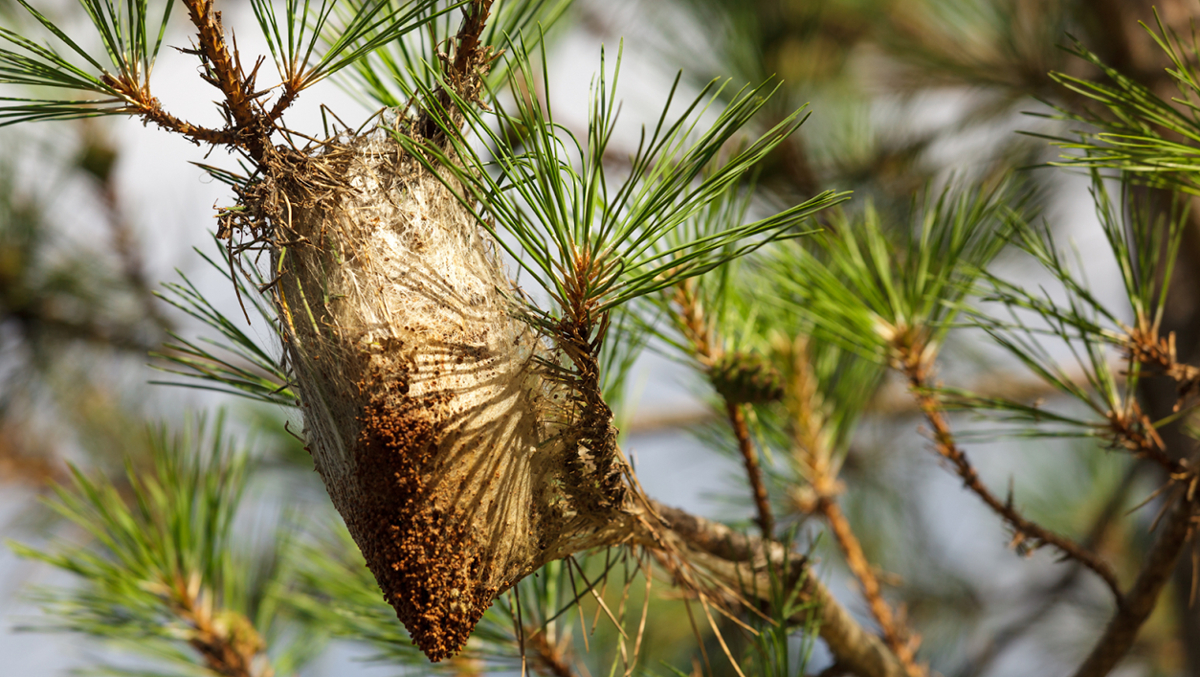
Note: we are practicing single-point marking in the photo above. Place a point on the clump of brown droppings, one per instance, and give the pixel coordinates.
(423, 558)
(458, 466)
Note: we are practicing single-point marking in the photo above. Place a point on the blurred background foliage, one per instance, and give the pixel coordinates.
(904, 96)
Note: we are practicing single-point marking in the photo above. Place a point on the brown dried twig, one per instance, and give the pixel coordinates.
(737, 420)
(142, 104)
(903, 643)
(916, 365)
(814, 456)
(1144, 346)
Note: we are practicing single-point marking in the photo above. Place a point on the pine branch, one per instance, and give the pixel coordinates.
(914, 363)
(811, 449)
(1050, 596)
(737, 419)
(892, 628)
(228, 643)
(728, 553)
(1145, 347)
(142, 104)
(161, 570)
(224, 71)
(1135, 607)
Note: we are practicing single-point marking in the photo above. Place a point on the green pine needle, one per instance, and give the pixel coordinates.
(234, 364)
(129, 38)
(347, 31)
(550, 204)
(1136, 131)
(398, 72)
(163, 561)
(866, 284)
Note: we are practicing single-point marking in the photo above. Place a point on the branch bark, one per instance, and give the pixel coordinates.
(1051, 596)
(916, 369)
(738, 559)
(225, 73)
(1133, 611)
(702, 336)
(894, 632)
(814, 458)
(737, 419)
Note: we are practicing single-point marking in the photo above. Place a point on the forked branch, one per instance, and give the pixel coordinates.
(744, 561)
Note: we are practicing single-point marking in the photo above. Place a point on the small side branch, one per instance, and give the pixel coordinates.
(467, 53)
(464, 74)
(1135, 608)
(224, 72)
(916, 371)
(893, 630)
(144, 105)
(814, 457)
(737, 419)
(1146, 347)
(229, 646)
(1047, 598)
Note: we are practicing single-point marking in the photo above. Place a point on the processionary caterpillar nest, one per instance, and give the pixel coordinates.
(459, 465)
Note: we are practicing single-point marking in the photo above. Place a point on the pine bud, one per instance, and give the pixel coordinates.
(746, 378)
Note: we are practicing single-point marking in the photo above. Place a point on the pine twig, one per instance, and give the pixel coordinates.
(813, 454)
(702, 337)
(754, 473)
(1053, 594)
(1145, 347)
(464, 73)
(149, 109)
(892, 628)
(225, 73)
(229, 645)
(916, 369)
(1135, 607)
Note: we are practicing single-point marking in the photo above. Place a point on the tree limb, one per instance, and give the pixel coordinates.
(1136, 606)
(727, 554)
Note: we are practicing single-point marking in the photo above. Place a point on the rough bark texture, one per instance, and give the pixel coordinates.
(743, 562)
